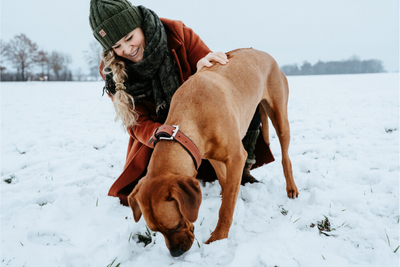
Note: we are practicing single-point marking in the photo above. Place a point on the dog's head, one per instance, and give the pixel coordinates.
(169, 205)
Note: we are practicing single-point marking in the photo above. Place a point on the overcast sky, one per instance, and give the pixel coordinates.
(292, 31)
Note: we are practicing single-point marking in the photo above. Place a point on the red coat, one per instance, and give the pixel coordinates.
(187, 49)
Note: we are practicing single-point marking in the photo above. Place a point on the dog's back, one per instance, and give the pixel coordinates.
(229, 92)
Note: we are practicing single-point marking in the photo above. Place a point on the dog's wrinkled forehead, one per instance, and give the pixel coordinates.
(153, 189)
(167, 212)
(163, 216)
(157, 196)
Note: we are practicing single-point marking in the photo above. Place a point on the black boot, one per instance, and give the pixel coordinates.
(246, 176)
(249, 143)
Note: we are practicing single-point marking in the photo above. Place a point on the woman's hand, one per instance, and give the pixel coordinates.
(219, 57)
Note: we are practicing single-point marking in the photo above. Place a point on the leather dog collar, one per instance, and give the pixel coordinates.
(171, 132)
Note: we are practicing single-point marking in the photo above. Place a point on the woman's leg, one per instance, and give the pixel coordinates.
(249, 143)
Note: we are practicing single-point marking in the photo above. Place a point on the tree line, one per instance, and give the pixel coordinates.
(351, 66)
(21, 59)
(31, 63)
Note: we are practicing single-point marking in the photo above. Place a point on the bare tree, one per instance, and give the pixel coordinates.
(21, 51)
(78, 74)
(43, 61)
(56, 64)
(67, 74)
(3, 52)
(2, 48)
(59, 64)
(93, 57)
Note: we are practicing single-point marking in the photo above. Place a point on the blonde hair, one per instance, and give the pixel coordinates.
(123, 102)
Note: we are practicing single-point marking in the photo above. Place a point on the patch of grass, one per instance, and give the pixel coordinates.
(389, 130)
(333, 229)
(99, 147)
(324, 226)
(145, 238)
(9, 180)
(396, 249)
(129, 239)
(112, 263)
(388, 241)
(197, 242)
(296, 220)
(20, 152)
(284, 212)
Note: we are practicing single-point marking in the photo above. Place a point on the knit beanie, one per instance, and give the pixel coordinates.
(112, 20)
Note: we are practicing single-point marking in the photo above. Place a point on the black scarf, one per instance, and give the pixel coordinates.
(156, 74)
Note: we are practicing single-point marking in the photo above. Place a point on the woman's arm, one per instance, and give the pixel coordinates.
(146, 126)
(198, 54)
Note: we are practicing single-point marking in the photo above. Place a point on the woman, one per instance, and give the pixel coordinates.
(146, 59)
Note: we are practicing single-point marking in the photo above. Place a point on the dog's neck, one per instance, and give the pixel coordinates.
(171, 157)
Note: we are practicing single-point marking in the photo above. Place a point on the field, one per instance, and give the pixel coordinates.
(61, 150)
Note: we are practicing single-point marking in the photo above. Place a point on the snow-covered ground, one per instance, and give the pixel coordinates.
(61, 151)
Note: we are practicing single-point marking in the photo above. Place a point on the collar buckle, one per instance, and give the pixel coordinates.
(174, 132)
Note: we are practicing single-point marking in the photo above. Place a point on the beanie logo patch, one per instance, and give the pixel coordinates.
(102, 33)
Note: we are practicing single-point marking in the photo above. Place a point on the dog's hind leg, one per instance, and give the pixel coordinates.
(281, 125)
(275, 105)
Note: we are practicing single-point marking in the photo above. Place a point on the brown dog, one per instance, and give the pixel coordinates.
(214, 109)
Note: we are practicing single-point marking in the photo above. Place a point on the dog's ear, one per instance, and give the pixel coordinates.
(187, 193)
(137, 213)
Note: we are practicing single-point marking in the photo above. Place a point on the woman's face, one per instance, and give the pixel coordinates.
(131, 46)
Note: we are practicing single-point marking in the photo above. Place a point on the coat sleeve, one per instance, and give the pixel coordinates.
(145, 128)
(196, 49)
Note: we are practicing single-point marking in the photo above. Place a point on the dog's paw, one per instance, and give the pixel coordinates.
(216, 236)
(292, 192)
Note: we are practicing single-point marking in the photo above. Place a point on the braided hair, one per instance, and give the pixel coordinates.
(123, 102)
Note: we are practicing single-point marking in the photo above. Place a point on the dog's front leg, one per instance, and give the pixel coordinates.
(220, 170)
(230, 192)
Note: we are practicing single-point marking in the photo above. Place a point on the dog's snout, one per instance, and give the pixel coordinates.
(176, 252)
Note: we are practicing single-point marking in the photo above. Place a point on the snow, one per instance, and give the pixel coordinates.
(62, 151)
